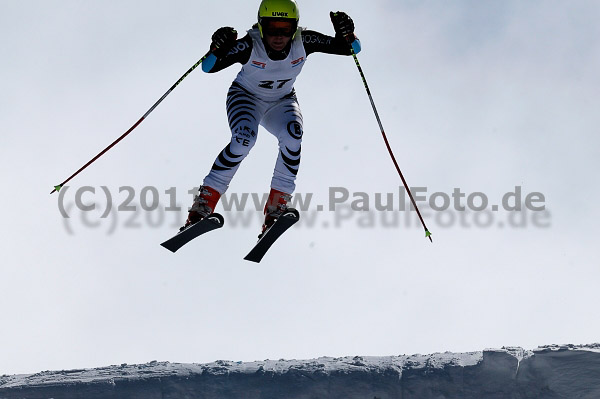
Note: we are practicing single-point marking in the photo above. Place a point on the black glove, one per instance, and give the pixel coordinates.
(343, 25)
(222, 41)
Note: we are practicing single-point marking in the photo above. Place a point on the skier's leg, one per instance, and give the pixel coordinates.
(284, 121)
(244, 112)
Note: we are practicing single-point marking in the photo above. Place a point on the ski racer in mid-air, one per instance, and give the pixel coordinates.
(272, 55)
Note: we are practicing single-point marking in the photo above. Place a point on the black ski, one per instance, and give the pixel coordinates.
(284, 222)
(211, 222)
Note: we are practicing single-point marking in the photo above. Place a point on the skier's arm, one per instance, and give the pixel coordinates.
(341, 44)
(227, 54)
(316, 42)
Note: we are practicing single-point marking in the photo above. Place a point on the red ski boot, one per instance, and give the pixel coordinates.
(204, 204)
(275, 206)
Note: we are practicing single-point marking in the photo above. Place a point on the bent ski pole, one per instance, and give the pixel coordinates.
(389, 148)
(58, 187)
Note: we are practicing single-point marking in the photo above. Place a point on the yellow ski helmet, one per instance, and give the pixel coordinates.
(278, 10)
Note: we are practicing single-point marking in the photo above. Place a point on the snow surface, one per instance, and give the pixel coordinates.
(553, 371)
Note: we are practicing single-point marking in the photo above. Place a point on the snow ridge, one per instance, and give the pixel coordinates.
(552, 371)
(322, 365)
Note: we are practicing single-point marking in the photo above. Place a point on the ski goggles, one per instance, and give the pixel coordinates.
(279, 28)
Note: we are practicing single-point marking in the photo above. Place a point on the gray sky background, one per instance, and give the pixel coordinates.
(479, 95)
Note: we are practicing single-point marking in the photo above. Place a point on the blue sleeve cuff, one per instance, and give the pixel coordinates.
(209, 62)
(356, 46)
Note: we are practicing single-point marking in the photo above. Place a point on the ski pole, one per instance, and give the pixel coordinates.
(58, 187)
(389, 148)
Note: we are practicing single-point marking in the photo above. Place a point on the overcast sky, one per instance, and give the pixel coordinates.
(483, 96)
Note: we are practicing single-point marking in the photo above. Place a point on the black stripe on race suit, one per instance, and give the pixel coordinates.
(292, 171)
(229, 153)
(227, 164)
(240, 107)
(290, 161)
(235, 86)
(294, 153)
